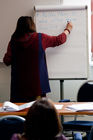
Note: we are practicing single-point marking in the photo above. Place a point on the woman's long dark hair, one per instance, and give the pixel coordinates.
(42, 121)
(25, 24)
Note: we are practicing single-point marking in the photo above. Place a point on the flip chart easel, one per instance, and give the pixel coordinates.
(70, 60)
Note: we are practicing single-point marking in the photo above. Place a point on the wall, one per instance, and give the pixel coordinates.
(9, 12)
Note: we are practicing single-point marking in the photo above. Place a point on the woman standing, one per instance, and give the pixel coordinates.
(26, 55)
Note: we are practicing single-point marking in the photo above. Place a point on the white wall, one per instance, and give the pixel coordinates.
(10, 10)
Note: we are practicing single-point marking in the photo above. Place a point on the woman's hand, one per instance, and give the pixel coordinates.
(68, 28)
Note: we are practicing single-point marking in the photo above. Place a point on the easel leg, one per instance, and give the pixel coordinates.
(61, 95)
(61, 89)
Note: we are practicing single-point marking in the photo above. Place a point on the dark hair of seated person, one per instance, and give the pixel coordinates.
(42, 121)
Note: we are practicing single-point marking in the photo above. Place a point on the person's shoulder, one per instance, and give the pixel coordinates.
(62, 137)
(33, 35)
(18, 137)
(15, 137)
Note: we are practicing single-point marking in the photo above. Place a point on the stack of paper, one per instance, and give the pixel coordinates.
(81, 107)
(9, 106)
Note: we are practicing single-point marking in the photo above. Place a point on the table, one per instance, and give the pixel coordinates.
(63, 111)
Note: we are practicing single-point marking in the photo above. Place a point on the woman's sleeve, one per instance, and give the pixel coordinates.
(14, 137)
(62, 137)
(7, 56)
(53, 41)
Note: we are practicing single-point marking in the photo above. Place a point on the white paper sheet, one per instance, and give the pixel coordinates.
(58, 106)
(9, 106)
(81, 107)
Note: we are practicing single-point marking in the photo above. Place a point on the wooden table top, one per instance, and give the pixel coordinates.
(63, 111)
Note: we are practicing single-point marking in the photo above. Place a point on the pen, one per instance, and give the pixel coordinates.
(68, 20)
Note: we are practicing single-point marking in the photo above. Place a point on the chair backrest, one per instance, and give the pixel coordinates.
(91, 134)
(9, 125)
(85, 93)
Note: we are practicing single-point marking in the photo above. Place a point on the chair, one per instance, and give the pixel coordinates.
(91, 134)
(9, 125)
(77, 136)
(85, 94)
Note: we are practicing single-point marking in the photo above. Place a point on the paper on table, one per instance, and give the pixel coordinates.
(58, 106)
(9, 106)
(26, 105)
(81, 107)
